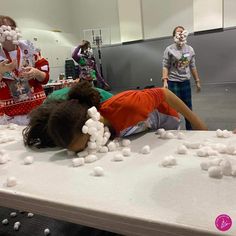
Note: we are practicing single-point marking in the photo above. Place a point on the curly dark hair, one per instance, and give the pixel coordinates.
(57, 122)
(36, 133)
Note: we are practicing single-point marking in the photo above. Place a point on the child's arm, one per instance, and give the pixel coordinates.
(180, 107)
(234, 131)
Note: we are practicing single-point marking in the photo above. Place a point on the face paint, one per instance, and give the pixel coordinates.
(10, 34)
(181, 37)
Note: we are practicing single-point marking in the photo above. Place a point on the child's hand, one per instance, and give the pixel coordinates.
(7, 67)
(29, 73)
(198, 86)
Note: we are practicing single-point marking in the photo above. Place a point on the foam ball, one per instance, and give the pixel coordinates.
(118, 157)
(182, 149)
(107, 135)
(92, 145)
(90, 158)
(180, 135)
(46, 232)
(215, 172)
(83, 153)
(98, 171)
(111, 146)
(85, 129)
(92, 130)
(11, 181)
(28, 160)
(5, 222)
(145, 149)
(103, 149)
(194, 145)
(30, 215)
(205, 165)
(92, 111)
(160, 131)
(219, 133)
(126, 152)
(16, 226)
(78, 161)
(202, 153)
(215, 161)
(104, 141)
(168, 161)
(13, 214)
(226, 167)
(125, 142)
(169, 135)
(226, 133)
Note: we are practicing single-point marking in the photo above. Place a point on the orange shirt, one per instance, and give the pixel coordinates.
(130, 107)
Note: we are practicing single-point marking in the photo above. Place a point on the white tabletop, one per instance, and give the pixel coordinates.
(134, 197)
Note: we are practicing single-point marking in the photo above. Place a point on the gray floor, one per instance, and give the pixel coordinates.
(216, 105)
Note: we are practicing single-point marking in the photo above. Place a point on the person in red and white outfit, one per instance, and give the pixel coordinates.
(22, 73)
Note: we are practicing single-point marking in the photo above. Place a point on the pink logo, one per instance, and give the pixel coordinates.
(223, 222)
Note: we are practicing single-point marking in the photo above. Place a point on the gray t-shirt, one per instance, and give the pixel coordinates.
(179, 61)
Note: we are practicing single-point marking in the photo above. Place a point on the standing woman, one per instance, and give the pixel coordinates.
(178, 65)
(88, 70)
(21, 83)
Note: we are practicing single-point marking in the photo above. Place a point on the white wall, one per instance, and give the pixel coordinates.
(207, 14)
(161, 17)
(229, 13)
(93, 14)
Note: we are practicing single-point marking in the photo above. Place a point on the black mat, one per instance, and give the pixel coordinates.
(36, 225)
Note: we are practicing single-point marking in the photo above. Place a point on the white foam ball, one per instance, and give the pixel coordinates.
(103, 149)
(169, 135)
(126, 151)
(11, 181)
(168, 161)
(78, 161)
(195, 145)
(91, 111)
(111, 146)
(90, 123)
(104, 141)
(182, 149)
(180, 135)
(215, 161)
(226, 167)
(92, 130)
(125, 142)
(28, 160)
(145, 149)
(5, 222)
(92, 145)
(160, 131)
(46, 232)
(230, 149)
(219, 133)
(202, 153)
(85, 129)
(83, 153)
(226, 133)
(98, 171)
(107, 135)
(118, 157)
(17, 225)
(205, 165)
(90, 158)
(215, 172)
(30, 215)
(96, 116)
(13, 214)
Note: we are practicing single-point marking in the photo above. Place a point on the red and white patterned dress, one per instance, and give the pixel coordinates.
(18, 97)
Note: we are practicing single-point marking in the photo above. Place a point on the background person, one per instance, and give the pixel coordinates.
(178, 65)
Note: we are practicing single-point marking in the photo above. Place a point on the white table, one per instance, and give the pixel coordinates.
(134, 197)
